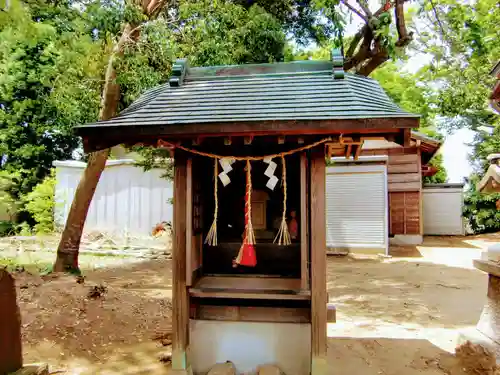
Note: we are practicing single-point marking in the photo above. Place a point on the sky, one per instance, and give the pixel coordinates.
(454, 149)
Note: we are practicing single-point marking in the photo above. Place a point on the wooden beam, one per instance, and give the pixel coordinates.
(406, 137)
(304, 232)
(318, 263)
(100, 137)
(358, 151)
(348, 151)
(251, 313)
(180, 298)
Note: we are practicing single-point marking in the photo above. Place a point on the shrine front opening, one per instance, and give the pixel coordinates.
(249, 254)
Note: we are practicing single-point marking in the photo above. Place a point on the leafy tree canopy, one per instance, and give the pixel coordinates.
(48, 82)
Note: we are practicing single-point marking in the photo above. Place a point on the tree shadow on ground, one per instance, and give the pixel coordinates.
(419, 293)
(66, 328)
(113, 335)
(369, 356)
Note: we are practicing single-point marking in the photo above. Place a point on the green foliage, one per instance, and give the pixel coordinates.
(462, 40)
(152, 157)
(48, 82)
(480, 209)
(222, 33)
(8, 204)
(7, 228)
(485, 144)
(441, 176)
(405, 90)
(305, 21)
(463, 43)
(40, 204)
(208, 33)
(20, 265)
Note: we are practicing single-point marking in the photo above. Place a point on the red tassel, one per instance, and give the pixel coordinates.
(246, 256)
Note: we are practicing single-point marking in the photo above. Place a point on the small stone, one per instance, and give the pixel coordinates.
(223, 369)
(268, 370)
(165, 358)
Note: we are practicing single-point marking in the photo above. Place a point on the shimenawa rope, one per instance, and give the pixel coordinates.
(212, 233)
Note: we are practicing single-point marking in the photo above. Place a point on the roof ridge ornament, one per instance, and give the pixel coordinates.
(338, 63)
(179, 70)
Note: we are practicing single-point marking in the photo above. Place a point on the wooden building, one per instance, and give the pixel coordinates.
(234, 132)
(376, 200)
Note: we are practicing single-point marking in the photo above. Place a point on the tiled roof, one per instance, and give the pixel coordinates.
(305, 90)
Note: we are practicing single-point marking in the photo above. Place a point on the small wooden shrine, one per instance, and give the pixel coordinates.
(249, 144)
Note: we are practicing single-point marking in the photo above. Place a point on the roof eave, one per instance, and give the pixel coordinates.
(100, 137)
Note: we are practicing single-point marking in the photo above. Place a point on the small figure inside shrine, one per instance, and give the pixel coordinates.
(293, 225)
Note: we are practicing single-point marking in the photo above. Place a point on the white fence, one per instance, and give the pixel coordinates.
(442, 209)
(127, 199)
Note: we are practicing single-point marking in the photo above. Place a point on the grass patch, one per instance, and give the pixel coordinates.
(18, 265)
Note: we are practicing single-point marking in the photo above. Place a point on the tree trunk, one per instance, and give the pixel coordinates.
(68, 249)
(69, 244)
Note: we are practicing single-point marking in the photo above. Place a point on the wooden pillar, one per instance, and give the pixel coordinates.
(420, 193)
(319, 298)
(180, 298)
(304, 228)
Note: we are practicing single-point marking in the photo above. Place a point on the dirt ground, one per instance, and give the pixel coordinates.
(394, 316)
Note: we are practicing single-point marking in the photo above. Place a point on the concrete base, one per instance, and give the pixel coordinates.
(250, 344)
(406, 240)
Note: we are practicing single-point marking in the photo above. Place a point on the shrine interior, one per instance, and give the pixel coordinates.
(267, 211)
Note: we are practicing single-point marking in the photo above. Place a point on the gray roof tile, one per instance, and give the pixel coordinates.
(282, 91)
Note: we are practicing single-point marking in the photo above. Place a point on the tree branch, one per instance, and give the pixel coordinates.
(364, 51)
(365, 8)
(373, 63)
(354, 10)
(403, 37)
(354, 43)
(437, 18)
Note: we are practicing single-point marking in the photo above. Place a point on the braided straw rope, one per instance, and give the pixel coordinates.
(162, 143)
(283, 236)
(249, 234)
(212, 233)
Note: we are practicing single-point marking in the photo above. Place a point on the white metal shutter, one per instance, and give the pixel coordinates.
(442, 211)
(356, 199)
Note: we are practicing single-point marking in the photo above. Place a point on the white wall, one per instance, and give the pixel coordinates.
(126, 199)
(442, 209)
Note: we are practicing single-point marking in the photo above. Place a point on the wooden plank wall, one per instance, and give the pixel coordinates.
(405, 188)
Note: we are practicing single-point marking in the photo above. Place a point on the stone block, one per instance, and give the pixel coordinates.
(223, 369)
(268, 370)
(11, 358)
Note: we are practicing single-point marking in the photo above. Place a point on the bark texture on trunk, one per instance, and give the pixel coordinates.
(69, 244)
